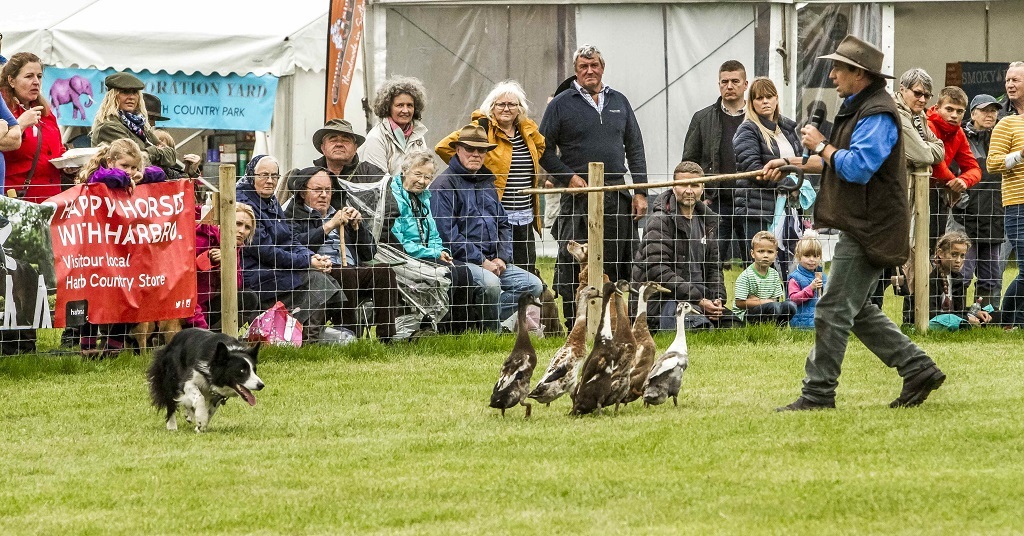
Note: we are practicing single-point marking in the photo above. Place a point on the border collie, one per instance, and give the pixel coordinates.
(200, 369)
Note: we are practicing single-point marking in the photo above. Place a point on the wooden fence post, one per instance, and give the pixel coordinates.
(228, 261)
(595, 245)
(922, 262)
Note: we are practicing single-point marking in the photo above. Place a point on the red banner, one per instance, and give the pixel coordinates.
(346, 18)
(124, 258)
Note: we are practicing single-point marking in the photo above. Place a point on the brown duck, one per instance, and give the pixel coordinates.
(560, 377)
(514, 382)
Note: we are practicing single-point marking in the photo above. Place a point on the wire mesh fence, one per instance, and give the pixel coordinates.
(430, 251)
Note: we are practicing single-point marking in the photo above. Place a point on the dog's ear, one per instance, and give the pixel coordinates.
(254, 350)
(220, 355)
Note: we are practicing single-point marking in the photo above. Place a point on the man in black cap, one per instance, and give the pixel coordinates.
(864, 195)
(337, 142)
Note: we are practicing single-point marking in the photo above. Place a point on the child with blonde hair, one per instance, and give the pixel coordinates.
(759, 287)
(806, 281)
(120, 164)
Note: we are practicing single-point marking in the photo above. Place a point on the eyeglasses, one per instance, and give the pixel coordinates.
(921, 94)
(266, 176)
(421, 175)
(506, 105)
(480, 150)
(319, 191)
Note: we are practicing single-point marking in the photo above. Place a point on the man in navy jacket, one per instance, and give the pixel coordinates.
(590, 122)
(475, 228)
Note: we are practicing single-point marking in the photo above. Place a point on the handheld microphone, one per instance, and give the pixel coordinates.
(815, 121)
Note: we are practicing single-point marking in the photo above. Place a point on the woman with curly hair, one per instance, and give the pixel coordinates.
(399, 105)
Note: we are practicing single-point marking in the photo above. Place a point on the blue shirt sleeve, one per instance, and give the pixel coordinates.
(870, 144)
(6, 115)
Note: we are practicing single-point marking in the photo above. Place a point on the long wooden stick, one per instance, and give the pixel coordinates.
(643, 186)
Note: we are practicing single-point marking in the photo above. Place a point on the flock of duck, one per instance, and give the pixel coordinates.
(620, 368)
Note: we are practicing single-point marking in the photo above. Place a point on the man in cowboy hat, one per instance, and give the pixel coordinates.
(864, 195)
(337, 142)
(474, 227)
(154, 109)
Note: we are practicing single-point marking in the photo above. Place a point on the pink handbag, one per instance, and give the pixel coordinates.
(275, 326)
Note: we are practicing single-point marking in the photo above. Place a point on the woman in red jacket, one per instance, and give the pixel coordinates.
(29, 171)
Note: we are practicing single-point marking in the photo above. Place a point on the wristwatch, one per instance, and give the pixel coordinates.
(820, 147)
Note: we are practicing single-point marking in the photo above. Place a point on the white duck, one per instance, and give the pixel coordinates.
(645, 347)
(667, 373)
(560, 377)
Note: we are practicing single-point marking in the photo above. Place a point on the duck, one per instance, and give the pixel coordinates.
(645, 347)
(514, 382)
(581, 252)
(560, 377)
(667, 373)
(595, 379)
(549, 314)
(622, 337)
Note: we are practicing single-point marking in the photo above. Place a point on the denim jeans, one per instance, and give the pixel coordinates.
(845, 307)
(779, 313)
(499, 295)
(983, 261)
(1013, 299)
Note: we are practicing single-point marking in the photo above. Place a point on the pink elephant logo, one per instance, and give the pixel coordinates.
(71, 90)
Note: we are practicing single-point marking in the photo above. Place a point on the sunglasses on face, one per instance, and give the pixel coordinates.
(469, 149)
(921, 94)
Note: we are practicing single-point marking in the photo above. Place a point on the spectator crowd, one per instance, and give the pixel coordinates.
(346, 261)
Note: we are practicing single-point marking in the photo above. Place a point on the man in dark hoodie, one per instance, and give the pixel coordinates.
(337, 233)
(474, 227)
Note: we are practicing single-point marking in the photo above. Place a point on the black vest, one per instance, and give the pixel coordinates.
(876, 214)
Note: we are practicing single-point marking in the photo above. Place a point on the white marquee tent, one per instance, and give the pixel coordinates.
(663, 56)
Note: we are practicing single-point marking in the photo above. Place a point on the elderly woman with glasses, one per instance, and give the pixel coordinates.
(123, 114)
(335, 230)
(514, 162)
(415, 231)
(275, 265)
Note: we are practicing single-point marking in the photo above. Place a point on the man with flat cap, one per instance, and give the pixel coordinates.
(122, 114)
(474, 226)
(864, 195)
(337, 142)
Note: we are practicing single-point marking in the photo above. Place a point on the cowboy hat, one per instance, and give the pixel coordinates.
(154, 107)
(335, 126)
(860, 54)
(473, 135)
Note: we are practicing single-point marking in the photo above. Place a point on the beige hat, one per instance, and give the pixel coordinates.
(336, 126)
(860, 54)
(473, 135)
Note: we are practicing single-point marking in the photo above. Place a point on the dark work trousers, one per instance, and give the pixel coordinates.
(620, 238)
(731, 236)
(248, 309)
(377, 283)
(524, 248)
(983, 262)
(938, 213)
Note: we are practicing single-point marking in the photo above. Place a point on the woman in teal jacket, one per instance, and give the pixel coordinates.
(416, 231)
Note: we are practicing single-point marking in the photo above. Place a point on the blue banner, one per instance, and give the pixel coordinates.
(229, 102)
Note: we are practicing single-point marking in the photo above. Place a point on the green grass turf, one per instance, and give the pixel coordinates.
(369, 439)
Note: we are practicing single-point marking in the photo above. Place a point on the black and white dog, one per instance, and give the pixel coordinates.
(200, 369)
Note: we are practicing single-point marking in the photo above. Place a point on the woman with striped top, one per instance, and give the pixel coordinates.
(514, 163)
(1006, 156)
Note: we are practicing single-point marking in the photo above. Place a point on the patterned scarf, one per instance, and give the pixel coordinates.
(135, 123)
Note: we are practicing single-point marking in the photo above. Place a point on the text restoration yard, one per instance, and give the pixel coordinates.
(399, 440)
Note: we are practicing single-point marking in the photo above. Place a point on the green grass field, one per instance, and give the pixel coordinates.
(368, 439)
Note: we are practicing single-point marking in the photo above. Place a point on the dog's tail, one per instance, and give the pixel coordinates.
(163, 385)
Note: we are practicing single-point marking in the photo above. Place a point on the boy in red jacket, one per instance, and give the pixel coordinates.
(949, 188)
